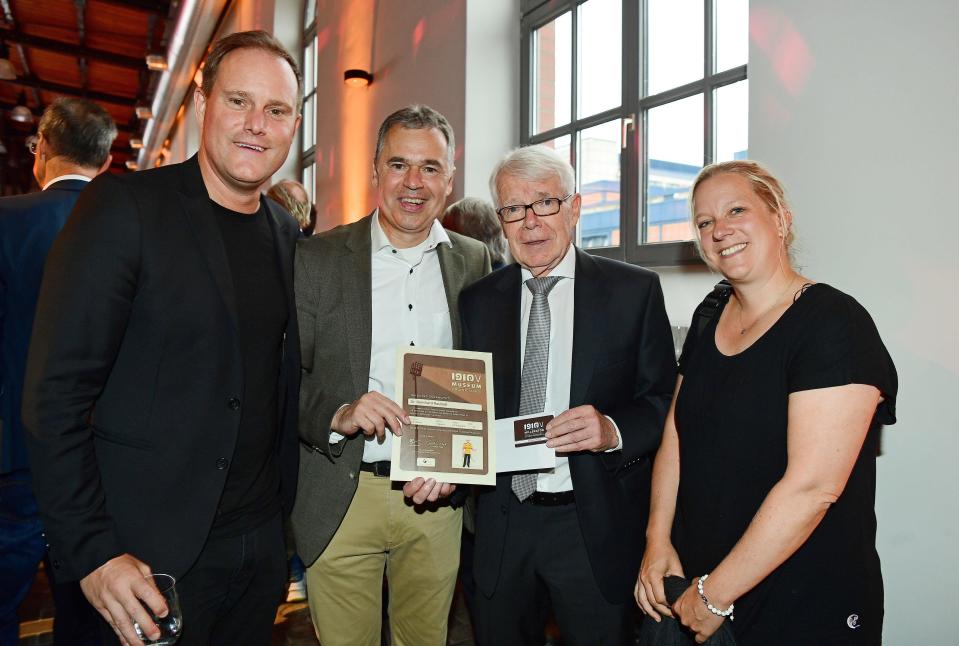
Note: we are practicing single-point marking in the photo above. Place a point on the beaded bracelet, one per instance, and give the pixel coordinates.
(728, 612)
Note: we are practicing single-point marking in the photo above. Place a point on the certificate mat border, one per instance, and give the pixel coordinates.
(398, 474)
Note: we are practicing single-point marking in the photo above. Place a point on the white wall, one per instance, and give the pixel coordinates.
(854, 104)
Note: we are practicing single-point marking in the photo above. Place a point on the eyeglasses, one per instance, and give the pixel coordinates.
(31, 144)
(542, 208)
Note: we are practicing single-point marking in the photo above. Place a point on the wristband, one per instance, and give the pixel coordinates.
(728, 612)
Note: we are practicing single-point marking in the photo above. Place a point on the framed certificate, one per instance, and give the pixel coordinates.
(448, 395)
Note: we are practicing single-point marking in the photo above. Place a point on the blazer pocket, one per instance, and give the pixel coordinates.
(122, 440)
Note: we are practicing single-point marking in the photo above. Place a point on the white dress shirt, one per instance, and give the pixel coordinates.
(559, 368)
(53, 181)
(409, 308)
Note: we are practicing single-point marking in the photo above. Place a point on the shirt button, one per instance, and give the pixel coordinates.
(411, 271)
(56, 564)
(411, 307)
(222, 463)
(233, 403)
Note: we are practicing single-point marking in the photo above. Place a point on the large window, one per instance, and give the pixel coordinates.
(640, 94)
(308, 124)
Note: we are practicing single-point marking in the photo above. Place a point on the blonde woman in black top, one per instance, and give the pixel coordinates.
(764, 484)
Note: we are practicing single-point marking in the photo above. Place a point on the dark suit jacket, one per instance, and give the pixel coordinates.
(134, 375)
(623, 364)
(333, 277)
(28, 225)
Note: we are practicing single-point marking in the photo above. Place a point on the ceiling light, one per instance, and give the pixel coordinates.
(7, 71)
(357, 78)
(144, 112)
(156, 63)
(132, 165)
(22, 113)
(136, 144)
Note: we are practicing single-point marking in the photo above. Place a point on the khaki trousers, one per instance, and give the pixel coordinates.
(419, 549)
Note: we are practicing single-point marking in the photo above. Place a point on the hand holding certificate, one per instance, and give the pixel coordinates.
(448, 395)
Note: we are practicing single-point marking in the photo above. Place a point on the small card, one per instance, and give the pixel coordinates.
(521, 444)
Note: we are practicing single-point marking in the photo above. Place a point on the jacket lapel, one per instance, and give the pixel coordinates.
(202, 219)
(357, 288)
(507, 364)
(590, 298)
(453, 268)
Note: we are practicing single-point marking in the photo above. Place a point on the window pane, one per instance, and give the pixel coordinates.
(309, 180)
(309, 60)
(306, 125)
(309, 13)
(675, 152)
(675, 37)
(732, 33)
(552, 73)
(598, 170)
(732, 121)
(600, 56)
(560, 145)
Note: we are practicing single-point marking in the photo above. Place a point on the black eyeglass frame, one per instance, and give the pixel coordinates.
(532, 207)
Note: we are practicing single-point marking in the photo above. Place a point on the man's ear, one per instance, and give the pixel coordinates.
(199, 105)
(105, 165)
(376, 176)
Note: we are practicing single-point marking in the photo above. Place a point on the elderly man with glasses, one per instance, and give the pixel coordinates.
(586, 340)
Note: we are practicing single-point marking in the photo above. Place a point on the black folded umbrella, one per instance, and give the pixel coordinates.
(669, 632)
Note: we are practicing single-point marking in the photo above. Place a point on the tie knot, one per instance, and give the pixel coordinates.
(542, 285)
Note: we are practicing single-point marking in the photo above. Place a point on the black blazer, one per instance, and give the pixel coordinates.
(134, 377)
(623, 364)
(28, 225)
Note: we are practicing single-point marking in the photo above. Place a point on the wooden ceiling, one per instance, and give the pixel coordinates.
(86, 48)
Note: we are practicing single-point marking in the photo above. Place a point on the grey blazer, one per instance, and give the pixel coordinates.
(333, 286)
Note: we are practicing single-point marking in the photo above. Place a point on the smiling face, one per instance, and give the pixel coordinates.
(538, 243)
(248, 123)
(413, 178)
(740, 235)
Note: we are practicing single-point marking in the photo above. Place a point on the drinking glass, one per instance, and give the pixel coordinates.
(171, 625)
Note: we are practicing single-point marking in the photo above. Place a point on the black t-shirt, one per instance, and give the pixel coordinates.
(251, 495)
(731, 416)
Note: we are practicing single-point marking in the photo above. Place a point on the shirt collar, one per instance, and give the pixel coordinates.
(53, 181)
(436, 237)
(565, 269)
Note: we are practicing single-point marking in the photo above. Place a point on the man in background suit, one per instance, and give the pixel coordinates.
(390, 279)
(586, 339)
(72, 147)
(160, 399)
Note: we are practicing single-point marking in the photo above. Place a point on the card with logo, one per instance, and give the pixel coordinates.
(521, 444)
(448, 395)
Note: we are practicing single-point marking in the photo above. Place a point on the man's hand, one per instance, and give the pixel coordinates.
(420, 490)
(581, 429)
(372, 414)
(116, 589)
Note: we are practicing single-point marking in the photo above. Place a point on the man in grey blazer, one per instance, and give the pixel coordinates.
(390, 279)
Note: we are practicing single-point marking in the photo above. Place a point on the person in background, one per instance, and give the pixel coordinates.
(585, 339)
(764, 485)
(292, 196)
(475, 218)
(160, 400)
(72, 147)
(392, 278)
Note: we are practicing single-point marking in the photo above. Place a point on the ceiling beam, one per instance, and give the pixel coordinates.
(68, 90)
(53, 45)
(161, 7)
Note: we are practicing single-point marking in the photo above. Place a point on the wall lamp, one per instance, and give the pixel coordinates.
(357, 78)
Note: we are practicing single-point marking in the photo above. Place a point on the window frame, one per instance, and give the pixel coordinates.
(308, 154)
(632, 114)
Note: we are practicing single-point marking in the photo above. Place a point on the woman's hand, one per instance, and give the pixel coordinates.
(659, 561)
(693, 613)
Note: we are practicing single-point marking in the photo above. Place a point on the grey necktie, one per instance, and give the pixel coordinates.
(532, 395)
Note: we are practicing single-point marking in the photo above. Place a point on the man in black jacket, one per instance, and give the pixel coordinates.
(586, 339)
(162, 379)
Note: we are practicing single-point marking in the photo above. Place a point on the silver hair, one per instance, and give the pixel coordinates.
(534, 164)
